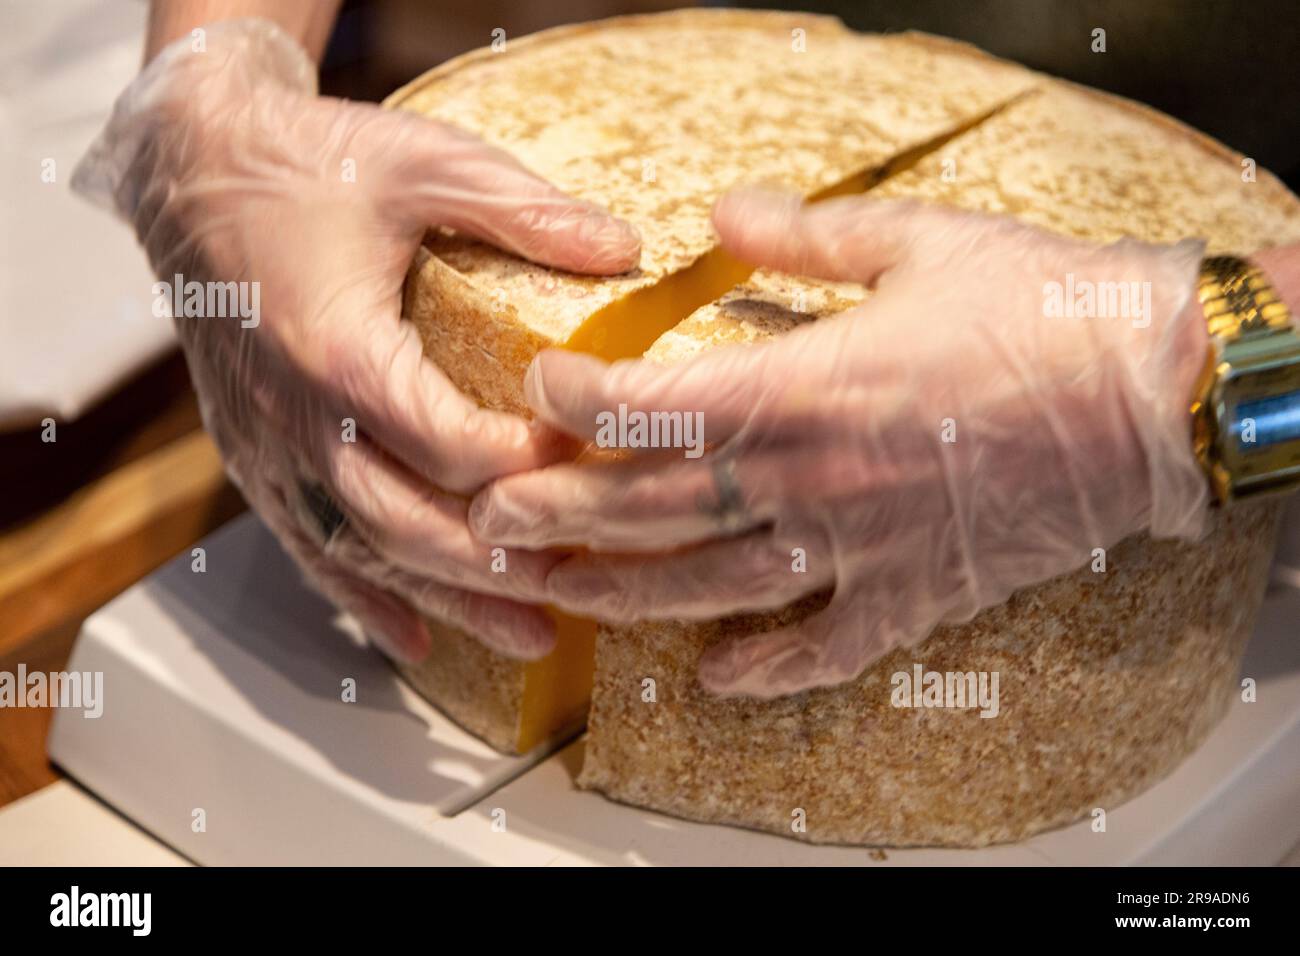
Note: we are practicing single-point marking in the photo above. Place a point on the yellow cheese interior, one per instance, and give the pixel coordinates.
(628, 326)
(557, 688)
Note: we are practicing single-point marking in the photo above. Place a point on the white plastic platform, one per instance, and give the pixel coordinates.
(223, 693)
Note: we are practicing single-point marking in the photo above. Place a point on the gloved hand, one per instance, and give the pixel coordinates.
(231, 169)
(1067, 435)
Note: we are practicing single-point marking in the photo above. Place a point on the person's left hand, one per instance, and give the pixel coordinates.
(947, 442)
(352, 446)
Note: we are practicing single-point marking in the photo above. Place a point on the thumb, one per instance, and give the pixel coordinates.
(849, 239)
(457, 180)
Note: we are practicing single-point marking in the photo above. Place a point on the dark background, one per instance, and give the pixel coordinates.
(1231, 69)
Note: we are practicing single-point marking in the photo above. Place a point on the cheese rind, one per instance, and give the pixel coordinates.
(655, 117)
(740, 104)
(1107, 681)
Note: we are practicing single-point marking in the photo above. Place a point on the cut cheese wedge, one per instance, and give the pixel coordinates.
(628, 326)
(1106, 680)
(653, 117)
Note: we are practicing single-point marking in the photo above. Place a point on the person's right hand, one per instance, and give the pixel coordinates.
(950, 440)
(232, 170)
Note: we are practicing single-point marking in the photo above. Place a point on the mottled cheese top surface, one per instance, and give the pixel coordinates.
(1062, 158)
(655, 117)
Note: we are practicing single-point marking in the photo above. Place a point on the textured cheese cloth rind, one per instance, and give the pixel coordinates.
(1107, 681)
(738, 104)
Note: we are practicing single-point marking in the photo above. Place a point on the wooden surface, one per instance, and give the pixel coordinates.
(104, 537)
(122, 490)
(23, 767)
(134, 481)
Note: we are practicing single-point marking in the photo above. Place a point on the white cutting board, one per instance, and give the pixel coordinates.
(222, 693)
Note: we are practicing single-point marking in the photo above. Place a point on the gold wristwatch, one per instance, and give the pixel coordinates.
(1246, 413)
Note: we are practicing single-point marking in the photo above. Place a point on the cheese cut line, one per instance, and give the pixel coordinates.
(1073, 651)
(737, 108)
(741, 106)
(628, 326)
(557, 688)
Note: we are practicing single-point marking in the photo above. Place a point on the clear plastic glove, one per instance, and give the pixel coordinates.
(932, 450)
(232, 169)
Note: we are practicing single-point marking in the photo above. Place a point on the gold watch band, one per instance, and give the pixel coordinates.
(1246, 406)
(1238, 299)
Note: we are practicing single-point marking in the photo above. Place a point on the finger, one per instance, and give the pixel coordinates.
(515, 630)
(633, 505)
(376, 373)
(793, 658)
(351, 575)
(654, 503)
(423, 530)
(724, 389)
(508, 627)
(389, 622)
(383, 599)
(752, 573)
(825, 649)
(464, 183)
(371, 376)
(851, 239)
(642, 504)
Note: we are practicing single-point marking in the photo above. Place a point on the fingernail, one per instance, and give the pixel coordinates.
(533, 642)
(407, 648)
(482, 517)
(615, 243)
(717, 672)
(558, 364)
(590, 590)
(496, 519)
